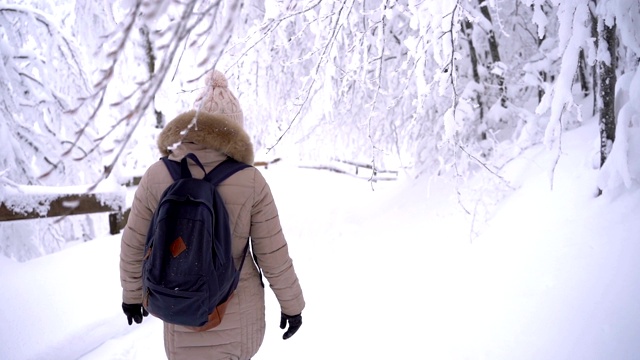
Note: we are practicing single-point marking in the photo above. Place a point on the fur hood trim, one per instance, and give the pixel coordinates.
(214, 131)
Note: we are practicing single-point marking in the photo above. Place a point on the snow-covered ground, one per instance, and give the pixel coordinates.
(390, 273)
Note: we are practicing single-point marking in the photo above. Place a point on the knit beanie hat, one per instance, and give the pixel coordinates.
(216, 98)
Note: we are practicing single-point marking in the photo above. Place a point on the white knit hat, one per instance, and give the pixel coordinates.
(216, 98)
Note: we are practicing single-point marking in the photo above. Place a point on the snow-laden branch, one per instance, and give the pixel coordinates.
(314, 75)
(42, 65)
(573, 36)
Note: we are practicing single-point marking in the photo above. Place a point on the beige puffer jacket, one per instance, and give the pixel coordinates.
(253, 214)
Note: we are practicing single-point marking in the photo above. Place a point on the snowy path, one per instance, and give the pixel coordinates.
(389, 273)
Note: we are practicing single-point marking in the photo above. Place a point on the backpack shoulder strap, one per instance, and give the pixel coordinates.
(180, 170)
(172, 166)
(225, 169)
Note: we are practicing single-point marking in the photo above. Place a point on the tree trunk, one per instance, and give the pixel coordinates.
(151, 67)
(607, 90)
(467, 26)
(473, 56)
(495, 52)
(594, 68)
(543, 74)
(582, 74)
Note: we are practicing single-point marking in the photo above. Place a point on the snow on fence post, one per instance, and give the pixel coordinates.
(118, 220)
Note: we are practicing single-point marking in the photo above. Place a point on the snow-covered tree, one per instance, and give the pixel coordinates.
(433, 86)
(44, 76)
(605, 34)
(618, 58)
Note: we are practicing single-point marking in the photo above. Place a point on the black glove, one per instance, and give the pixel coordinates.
(134, 312)
(294, 324)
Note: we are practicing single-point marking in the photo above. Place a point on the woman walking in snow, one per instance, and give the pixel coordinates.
(218, 133)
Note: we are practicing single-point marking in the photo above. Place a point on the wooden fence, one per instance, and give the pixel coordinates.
(59, 205)
(356, 169)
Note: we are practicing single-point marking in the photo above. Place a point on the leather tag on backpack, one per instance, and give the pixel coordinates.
(215, 318)
(177, 246)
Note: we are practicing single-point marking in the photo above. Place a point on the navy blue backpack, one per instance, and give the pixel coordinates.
(188, 269)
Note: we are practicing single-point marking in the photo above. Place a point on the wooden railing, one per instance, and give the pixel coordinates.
(60, 205)
(356, 169)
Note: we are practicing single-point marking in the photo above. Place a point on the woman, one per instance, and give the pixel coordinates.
(212, 132)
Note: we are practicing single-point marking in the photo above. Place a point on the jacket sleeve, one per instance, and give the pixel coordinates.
(271, 250)
(133, 243)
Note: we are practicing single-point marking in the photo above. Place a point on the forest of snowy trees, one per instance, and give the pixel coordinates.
(435, 87)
